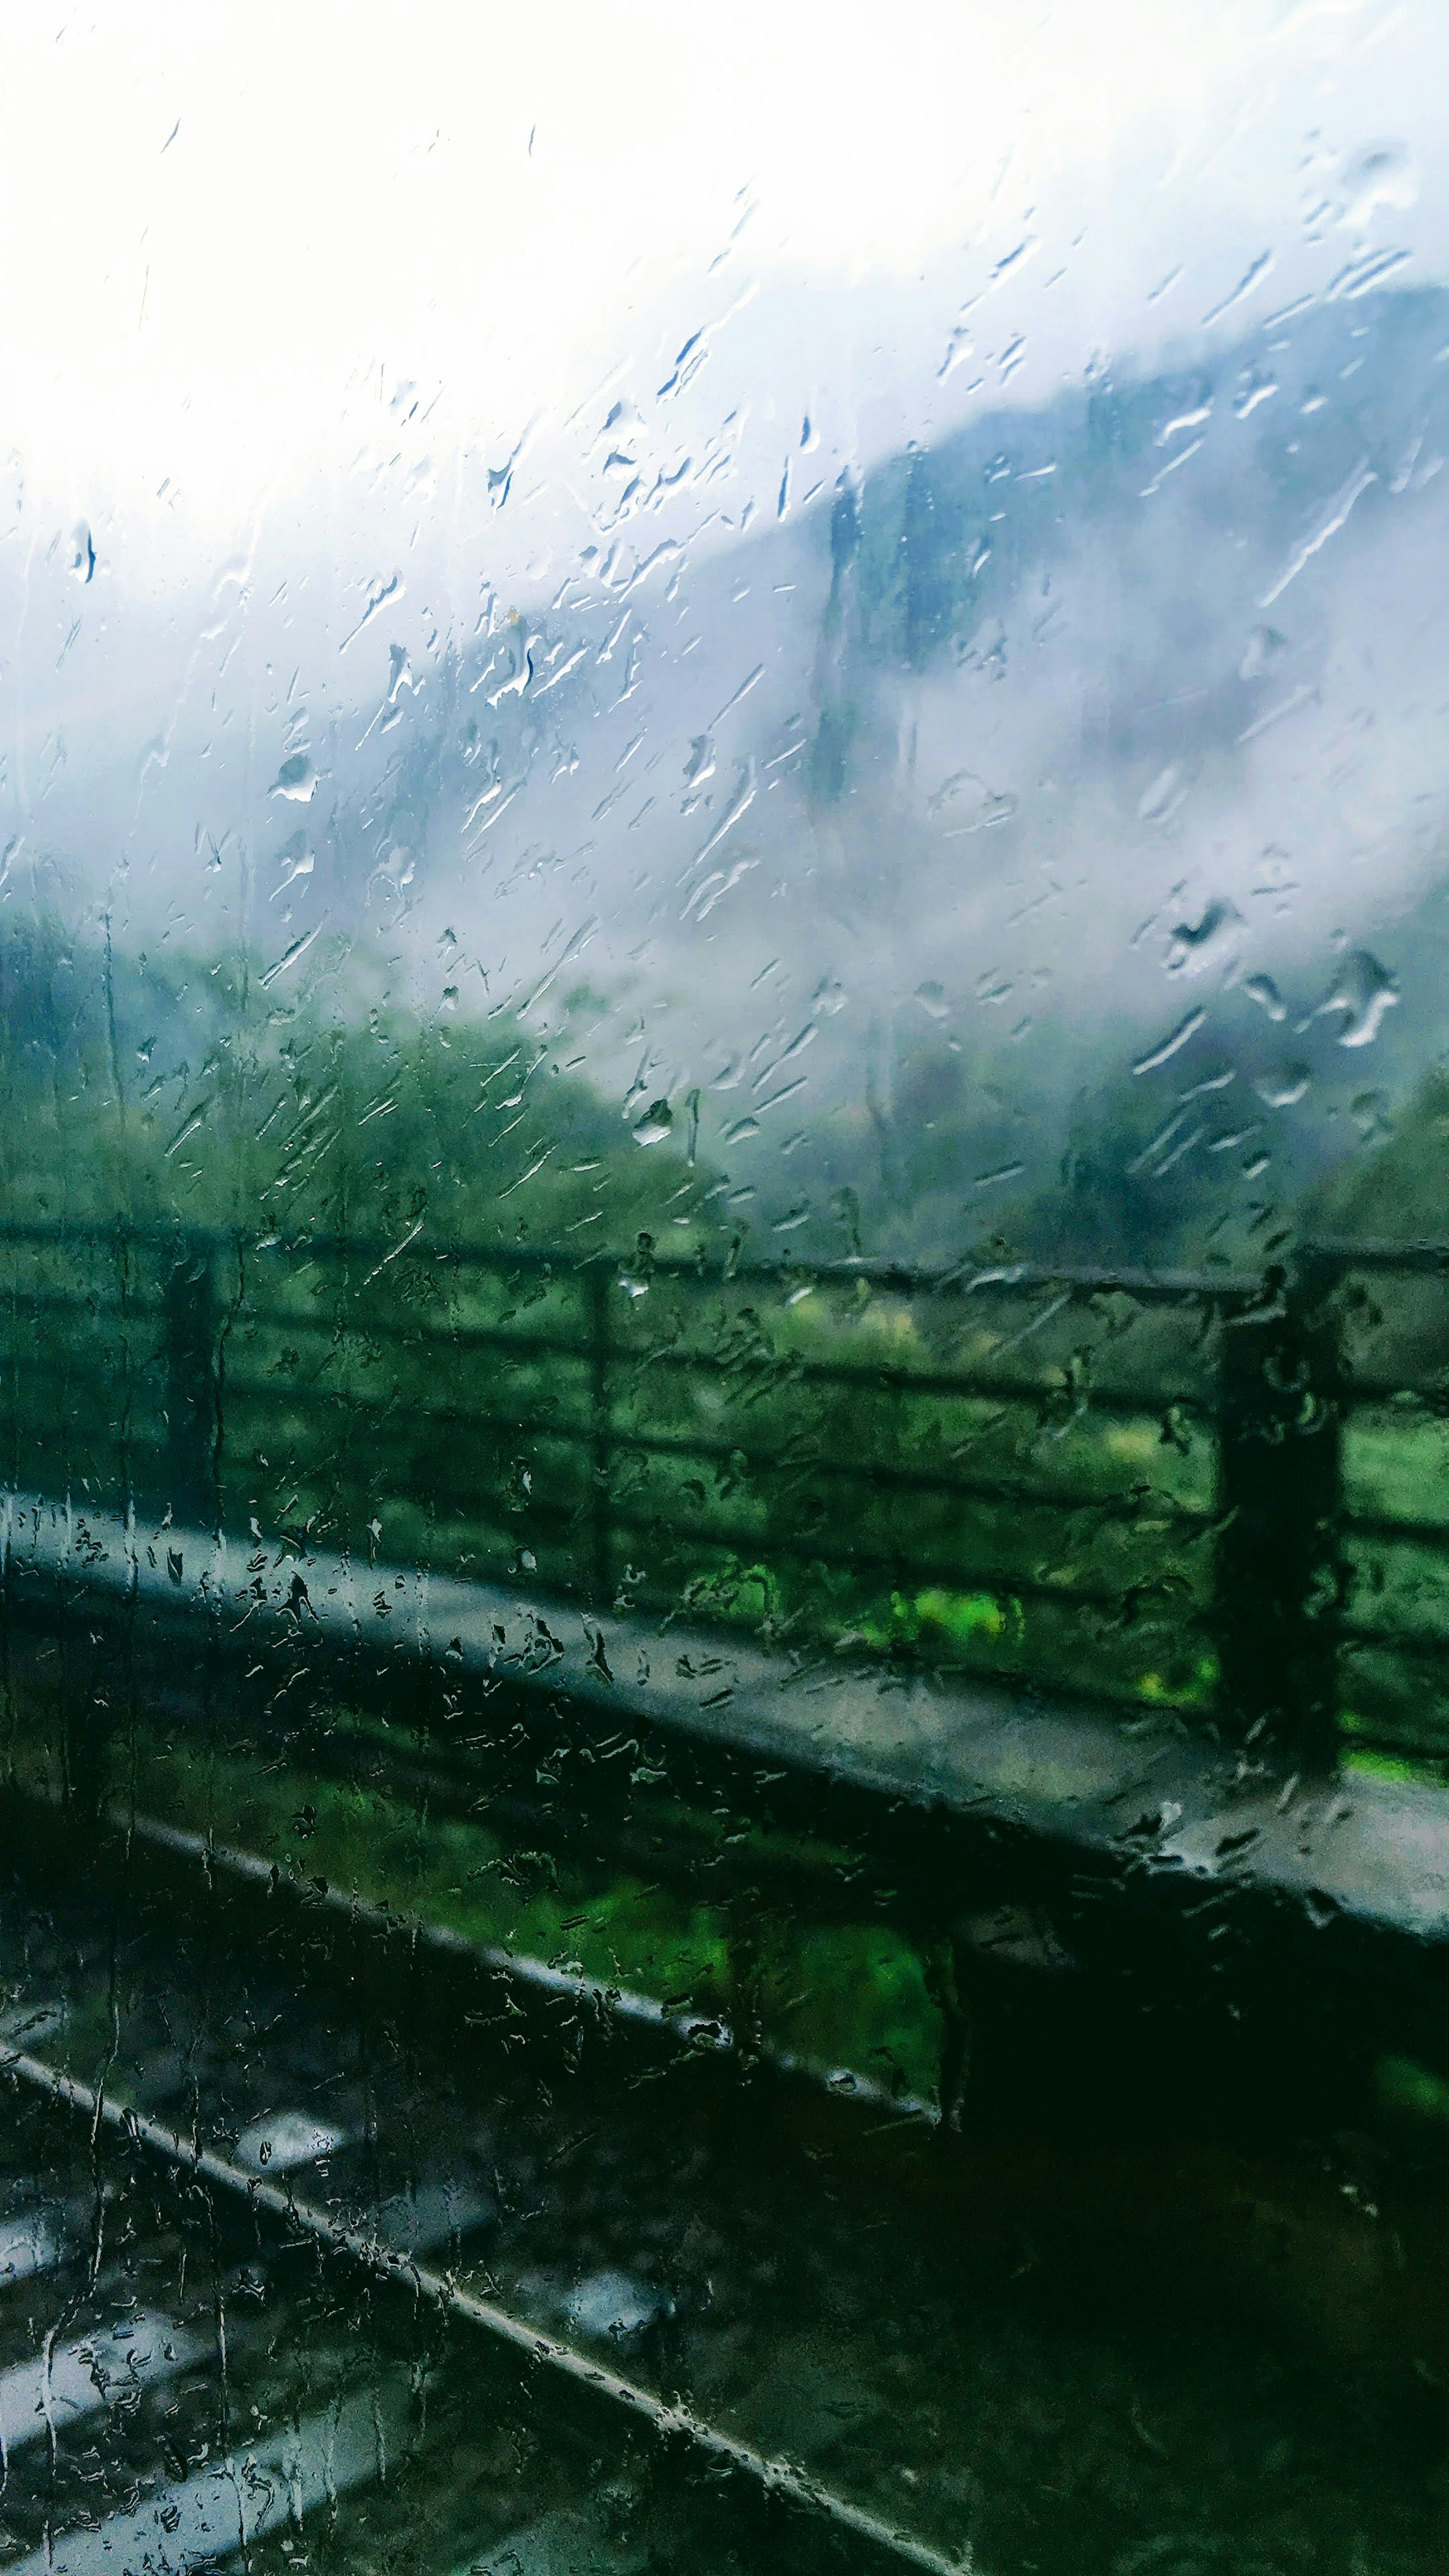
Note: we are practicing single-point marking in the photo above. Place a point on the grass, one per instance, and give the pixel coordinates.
(851, 1996)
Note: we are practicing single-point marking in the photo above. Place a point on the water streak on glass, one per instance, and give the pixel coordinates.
(724, 1291)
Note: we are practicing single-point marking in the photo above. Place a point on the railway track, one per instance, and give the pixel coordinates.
(220, 2082)
(177, 2393)
(322, 2243)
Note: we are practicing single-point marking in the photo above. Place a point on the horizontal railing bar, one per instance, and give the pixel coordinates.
(793, 1369)
(1397, 1641)
(1148, 1405)
(1355, 1394)
(1414, 1260)
(910, 1480)
(891, 1379)
(392, 1413)
(958, 1279)
(279, 1322)
(529, 1339)
(1387, 1525)
(78, 1301)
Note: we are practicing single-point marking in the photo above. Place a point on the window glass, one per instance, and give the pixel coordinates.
(724, 1289)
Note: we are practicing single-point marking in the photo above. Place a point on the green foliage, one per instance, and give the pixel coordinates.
(179, 1091)
(1400, 1192)
(1014, 1486)
(768, 1461)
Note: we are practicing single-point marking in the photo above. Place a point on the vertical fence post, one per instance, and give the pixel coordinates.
(189, 1313)
(125, 1261)
(1278, 1572)
(601, 1430)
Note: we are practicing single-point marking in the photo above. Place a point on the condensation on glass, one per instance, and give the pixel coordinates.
(724, 1291)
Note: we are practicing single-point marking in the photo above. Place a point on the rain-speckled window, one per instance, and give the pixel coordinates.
(724, 1288)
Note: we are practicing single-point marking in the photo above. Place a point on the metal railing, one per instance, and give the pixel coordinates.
(1062, 1462)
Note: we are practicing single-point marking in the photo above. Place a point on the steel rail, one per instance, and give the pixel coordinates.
(776, 2479)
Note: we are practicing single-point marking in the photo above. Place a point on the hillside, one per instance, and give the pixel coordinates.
(892, 831)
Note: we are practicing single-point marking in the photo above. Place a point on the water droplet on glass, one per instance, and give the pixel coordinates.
(655, 1125)
(1163, 797)
(1370, 1115)
(1382, 174)
(1283, 1085)
(295, 859)
(1254, 387)
(967, 804)
(1264, 648)
(82, 552)
(287, 2139)
(1262, 990)
(1196, 944)
(1360, 994)
(296, 779)
(609, 2305)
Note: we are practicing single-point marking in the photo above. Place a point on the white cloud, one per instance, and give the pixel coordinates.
(230, 221)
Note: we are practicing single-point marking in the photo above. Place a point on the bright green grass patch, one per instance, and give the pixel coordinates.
(1403, 2085)
(843, 1996)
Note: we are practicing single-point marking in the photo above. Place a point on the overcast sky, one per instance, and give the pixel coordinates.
(312, 317)
(309, 310)
(230, 228)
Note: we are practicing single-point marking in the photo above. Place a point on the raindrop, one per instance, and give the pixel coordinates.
(1221, 1078)
(932, 1000)
(655, 1124)
(699, 769)
(400, 673)
(970, 805)
(609, 2306)
(1264, 647)
(287, 2139)
(295, 859)
(82, 552)
(1361, 994)
(296, 779)
(1382, 174)
(1183, 421)
(1262, 990)
(1370, 1115)
(1195, 944)
(1253, 388)
(1283, 1086)
(1163, 797)
(1163, 1054)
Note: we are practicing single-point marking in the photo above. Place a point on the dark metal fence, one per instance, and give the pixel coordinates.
(862, 1451)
